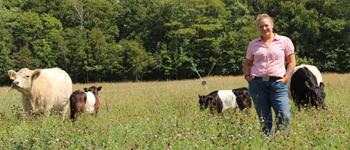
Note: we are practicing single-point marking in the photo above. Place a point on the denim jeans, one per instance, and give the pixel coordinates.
(267, 94)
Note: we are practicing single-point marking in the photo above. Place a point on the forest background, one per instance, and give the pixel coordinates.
(131, 40)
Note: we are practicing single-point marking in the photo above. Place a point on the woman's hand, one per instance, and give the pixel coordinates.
(284, 80)
(249, 78)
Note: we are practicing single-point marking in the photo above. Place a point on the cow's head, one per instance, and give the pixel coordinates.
(317, 93)
(23, 79)
(205, 101)
(93, 89)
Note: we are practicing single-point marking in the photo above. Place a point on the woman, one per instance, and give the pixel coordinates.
(266, 74)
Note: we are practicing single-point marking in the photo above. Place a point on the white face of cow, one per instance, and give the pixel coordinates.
(23, 79)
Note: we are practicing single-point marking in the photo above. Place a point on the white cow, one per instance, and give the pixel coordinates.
(43, 89)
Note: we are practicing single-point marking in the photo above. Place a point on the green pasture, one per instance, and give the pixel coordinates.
(165, 115)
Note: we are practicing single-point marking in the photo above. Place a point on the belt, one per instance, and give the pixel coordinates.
(268, 78)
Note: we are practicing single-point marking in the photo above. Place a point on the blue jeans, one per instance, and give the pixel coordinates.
(267, 94)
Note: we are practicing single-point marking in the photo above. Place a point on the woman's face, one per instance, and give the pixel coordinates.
(265, 27)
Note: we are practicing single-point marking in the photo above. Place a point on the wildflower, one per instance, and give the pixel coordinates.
(62, 133)
(155, 136)
(174, 125)
(147, 120)
(178, 135)
(263, 120)
(166, 140)
(240, 135)
(165, 127)
(305, 105)
(196, 146)
(264, 136)
(325, 145)
(15, 135)
(250, 138)
(250, 128)
(2, 146)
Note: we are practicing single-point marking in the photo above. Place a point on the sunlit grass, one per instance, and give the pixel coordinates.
(165, 115)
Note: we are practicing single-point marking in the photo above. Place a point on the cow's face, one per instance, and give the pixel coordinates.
(93, 89)
(23, 79)
(317, 93)
(205, 101)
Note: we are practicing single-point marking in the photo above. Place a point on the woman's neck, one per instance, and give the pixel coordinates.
(268, 38)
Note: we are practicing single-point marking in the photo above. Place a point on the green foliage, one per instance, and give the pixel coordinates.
(158, 40)
(135, 58)
(5, 45)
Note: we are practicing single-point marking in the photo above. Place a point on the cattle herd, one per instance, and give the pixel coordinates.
(46, 89)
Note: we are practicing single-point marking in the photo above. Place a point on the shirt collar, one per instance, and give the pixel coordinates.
(277, 37)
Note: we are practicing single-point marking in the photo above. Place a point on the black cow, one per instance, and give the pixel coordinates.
(226, 99)
(306, 87)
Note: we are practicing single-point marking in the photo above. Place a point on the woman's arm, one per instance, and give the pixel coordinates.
(247, 68)
(290, 68)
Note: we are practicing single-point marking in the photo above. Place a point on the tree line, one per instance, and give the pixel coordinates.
(130, 40)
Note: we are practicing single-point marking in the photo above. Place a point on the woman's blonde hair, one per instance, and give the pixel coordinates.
(261, 17)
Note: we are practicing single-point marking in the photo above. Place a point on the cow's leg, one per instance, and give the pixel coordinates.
(295, 100)
(76, 115)
(64, 110)
(97, 107)
(234, 110)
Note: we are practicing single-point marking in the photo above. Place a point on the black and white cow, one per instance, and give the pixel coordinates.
(306, 87)
(226, 99)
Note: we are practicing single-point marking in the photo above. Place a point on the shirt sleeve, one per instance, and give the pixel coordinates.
(249, 52)
(288, 46)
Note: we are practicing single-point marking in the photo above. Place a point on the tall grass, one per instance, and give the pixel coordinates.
(165, 115)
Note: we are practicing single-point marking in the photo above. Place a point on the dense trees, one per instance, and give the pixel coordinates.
(130, 40)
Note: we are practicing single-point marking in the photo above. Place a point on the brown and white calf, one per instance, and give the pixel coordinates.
(88, 100)
(92, 103)
(222, 100)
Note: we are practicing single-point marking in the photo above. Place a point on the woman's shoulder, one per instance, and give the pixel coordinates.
(255, 40)
(282, 37)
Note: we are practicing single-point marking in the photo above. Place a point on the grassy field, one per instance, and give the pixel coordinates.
(165, 115)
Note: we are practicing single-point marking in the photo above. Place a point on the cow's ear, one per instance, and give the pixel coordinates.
(86, 89)
(322, 85)
(99, 88)
(36, 74)
(12, 74)
(307, 85)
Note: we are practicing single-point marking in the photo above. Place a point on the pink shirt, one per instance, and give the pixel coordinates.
(269, 60)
